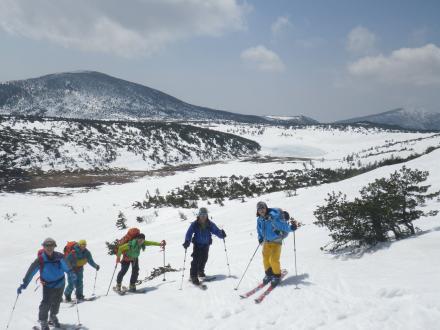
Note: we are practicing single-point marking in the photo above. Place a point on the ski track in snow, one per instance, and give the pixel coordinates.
(394, 286)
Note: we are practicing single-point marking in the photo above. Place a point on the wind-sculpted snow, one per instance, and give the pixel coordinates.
(41, 145)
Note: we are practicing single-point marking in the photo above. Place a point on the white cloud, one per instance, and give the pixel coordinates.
(416, 66)
(123, 28)
(360, 41)
(280, 24)
(263, 59)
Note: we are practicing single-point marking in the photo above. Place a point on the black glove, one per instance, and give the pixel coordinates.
(21, 288)
(223, 233)
(293, 225)
(97, 267)
(186, 244)
(260, 240)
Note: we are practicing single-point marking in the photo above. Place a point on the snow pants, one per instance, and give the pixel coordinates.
(51, 302)
(271, 257)
(125, 264)
(78, 284)
(200, 257)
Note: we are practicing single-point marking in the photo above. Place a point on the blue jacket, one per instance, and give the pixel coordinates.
(77, 258)
(52, 272)
(272, 228)
(202, 236)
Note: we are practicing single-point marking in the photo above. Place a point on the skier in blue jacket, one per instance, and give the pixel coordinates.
(200, 234)
(272, 228)
(52, 267)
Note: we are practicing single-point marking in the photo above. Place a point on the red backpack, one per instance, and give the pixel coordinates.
(69, 248)
(132, 233)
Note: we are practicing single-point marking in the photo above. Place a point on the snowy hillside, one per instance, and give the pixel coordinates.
(406, 118)
(49, 145)
(94, 95)
(393, 286)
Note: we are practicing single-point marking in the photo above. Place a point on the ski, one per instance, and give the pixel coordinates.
(201, 286)
(269, 289)
(207, 278)
(251, 292)
(259, 287)
(74, 302)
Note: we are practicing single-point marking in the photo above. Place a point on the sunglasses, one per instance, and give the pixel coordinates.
(49, 245)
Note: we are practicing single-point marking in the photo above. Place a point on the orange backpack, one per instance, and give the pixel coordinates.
(69, 248)
(132, 233)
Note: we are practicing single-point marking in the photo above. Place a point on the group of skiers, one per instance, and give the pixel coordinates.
(273, 226)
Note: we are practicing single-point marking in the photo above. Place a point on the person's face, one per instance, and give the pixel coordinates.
(82, 247)
(262, 210)
(203, 218)
(48, 249)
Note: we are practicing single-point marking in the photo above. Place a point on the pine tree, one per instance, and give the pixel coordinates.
(121, 222)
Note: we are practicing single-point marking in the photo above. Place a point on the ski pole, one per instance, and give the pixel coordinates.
(294, 250)
(183, 270)
(164, 279)
(227, 259)
(114, 271)
(94, 284)
(77, 312)
(252, 258)
(12, 312)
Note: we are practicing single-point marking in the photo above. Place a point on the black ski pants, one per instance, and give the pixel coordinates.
(134, 271)
(51, 302)
(200, 257)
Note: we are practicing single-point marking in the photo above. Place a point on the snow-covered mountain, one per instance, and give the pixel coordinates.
(94, 95)
(292, 120)
(406, 118)
(40, 145)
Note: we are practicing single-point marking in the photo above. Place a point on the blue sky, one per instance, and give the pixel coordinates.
(325, 59)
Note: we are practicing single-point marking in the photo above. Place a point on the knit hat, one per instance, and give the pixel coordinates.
(261, 205)
(82, 242)
(49, 241)
(203, 211)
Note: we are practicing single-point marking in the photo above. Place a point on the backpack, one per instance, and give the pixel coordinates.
(69, 248)
(131, 233)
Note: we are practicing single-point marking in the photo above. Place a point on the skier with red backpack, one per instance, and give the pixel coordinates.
(77, 255)
(52, 267)
(130, 248)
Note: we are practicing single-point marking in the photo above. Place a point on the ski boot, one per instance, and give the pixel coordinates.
(268, 277)
(275, 280)
(44, 325)
(68, 298)
(80, 297)
(202, 275)
(195, 280)
(54, 322)
(132, 288)
(118, 287)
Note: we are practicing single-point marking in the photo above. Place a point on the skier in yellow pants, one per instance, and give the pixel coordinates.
(272, 228)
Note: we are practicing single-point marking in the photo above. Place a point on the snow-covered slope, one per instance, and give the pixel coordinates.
(41, 145)
(394, 286)
(406, 118)
(94, 95)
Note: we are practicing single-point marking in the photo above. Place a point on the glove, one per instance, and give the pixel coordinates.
(118, 259)
(97, 267)
(21, 288)
(294, 225)
(223, 233)
(186, 244)
(260, 240)
(163, 244)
